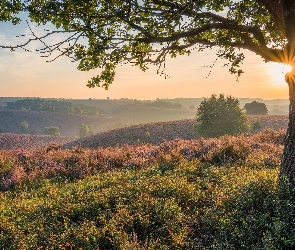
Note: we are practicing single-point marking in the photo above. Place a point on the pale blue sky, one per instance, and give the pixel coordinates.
(28, 74)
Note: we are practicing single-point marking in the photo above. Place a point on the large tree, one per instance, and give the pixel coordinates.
(106, 33)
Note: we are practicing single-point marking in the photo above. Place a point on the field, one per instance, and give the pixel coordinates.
(181, 194)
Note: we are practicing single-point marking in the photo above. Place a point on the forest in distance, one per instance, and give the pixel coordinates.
(275, 106)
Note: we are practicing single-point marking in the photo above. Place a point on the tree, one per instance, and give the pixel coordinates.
(104, 34)
(85, 130)
(218, 116)
(2, 129)
(255, 108)
(24, 127)
(52, 131)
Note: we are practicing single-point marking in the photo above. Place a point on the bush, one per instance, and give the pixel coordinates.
(256, 108)
(256, 126)
(85, 130)
(52, 131)
(2, 129)
(24, 127)
(218, 116)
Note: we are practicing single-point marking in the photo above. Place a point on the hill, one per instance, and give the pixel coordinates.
(21, 141)
(182, 194)
(156, 133)
(68, 124)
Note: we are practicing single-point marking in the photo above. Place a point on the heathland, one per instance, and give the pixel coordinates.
(148, 186)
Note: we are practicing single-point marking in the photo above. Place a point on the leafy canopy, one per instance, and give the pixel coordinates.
(52, 130)
(255, 108)
(107, 33)
(218, 116)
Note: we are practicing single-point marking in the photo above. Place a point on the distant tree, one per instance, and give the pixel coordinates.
(91, 130)
(85, 130)
(192, 107)
(24, 127)
(52, 131)
(217, 116)
(2, 129)
(256, 108)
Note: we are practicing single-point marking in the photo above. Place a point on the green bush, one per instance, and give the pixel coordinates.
(2, 129)
(85, 130)
(256, 126)
(24, 127)
(52, 131)
(218, 116)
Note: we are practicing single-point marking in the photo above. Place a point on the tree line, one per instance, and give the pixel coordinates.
(39, 104)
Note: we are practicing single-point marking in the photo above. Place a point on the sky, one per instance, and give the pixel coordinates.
(27, 74)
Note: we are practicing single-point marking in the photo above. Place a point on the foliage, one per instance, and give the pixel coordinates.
(256, 126)
(177, 195)
(9, 9)
(54, 106)
(85, 130)
(256, 108)
(161, 131)
(163, 105)
(24, 127)
(2, 129)
(107, 34)
(52, 131)
(217, 116)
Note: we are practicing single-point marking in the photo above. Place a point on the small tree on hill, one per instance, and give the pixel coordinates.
(2, 129)
(255, 108)
(217, 116)
(85, 130)
(24, 127)
(52, 131)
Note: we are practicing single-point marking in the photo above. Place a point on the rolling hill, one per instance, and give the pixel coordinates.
(156, 133)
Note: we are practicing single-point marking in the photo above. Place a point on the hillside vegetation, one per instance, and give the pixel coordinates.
(156, 133)
(39, 104)
(182, 194)
(68, 124)
(23, 141)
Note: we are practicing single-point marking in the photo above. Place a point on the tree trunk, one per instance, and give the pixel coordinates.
(288, 159)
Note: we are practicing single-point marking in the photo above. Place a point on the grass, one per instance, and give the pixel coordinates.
(179, 195)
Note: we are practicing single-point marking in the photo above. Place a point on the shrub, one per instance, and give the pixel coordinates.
(52, 131)
(2, 129)
(85, 130)
(256, 126)
(218, 116)
(24, 127)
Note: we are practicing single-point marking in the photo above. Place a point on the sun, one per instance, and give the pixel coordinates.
(278, 71)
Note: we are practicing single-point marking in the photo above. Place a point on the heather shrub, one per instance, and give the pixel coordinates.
(182, 194)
